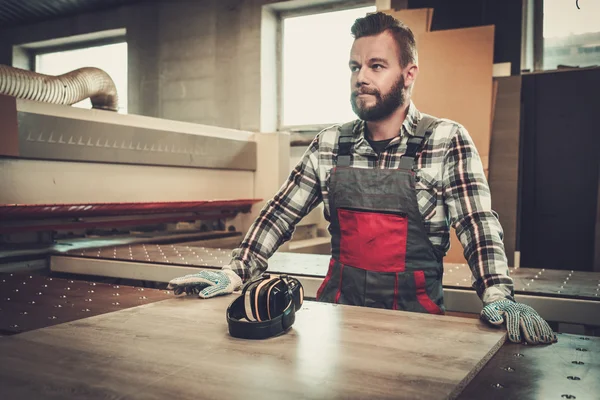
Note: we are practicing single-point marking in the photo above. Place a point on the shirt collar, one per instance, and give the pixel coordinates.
(409, 127)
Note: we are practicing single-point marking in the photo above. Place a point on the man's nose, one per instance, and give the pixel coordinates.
(361, 77)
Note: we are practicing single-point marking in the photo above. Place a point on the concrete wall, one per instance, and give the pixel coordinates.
(209, 62)
(194, 61)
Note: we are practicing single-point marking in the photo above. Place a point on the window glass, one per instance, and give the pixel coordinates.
(315, 72)
(571, 35)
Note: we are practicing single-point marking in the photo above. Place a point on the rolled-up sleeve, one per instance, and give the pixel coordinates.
(469, 207)
(298, 196)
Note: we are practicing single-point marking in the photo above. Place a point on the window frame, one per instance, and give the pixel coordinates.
(281, 15)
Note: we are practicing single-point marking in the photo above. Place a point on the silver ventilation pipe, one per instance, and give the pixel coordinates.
(66, 89)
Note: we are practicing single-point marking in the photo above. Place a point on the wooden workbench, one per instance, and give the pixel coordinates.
(180, 348)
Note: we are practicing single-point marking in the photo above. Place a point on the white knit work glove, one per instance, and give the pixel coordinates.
(519, 318)
(207, 283)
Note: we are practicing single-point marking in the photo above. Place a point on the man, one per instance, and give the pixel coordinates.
(392, 184)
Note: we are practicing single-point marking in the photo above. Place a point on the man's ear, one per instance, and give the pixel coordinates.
(410, 75)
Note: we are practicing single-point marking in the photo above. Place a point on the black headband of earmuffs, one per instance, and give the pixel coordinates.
(265, 308)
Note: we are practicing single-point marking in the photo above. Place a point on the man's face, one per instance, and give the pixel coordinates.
(377, 79)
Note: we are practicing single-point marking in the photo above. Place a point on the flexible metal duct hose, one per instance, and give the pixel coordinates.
(66, 89)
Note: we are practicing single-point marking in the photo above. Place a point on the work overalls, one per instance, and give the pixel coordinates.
(381, 254)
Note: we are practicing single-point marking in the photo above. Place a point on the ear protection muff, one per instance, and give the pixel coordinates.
(266, 307)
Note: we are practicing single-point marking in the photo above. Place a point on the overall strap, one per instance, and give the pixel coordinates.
(416, 142)
(345, 144)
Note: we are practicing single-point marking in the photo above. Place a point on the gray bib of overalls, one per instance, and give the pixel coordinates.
(381, 254)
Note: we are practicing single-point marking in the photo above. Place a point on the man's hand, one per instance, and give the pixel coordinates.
(519, 318)
(207, 283)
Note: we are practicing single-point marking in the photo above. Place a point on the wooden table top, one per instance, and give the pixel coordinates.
(181, 348)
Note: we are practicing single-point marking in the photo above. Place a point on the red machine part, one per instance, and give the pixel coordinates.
(30, 217)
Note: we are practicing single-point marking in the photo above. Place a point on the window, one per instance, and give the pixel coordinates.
(112, 58)
(571, 35)
(315, 78)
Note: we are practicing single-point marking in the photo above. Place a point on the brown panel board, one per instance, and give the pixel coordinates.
(504, 159)
(494, 95)
(430, 18)
(383, 5)
(455, 82)
(399, 4)
(455, 79)
(181, 348)
(418, 20)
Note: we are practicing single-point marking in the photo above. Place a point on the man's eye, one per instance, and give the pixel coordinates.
(354, 68)
(377, 66)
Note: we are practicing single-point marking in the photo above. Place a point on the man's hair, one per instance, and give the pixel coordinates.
(376, 23)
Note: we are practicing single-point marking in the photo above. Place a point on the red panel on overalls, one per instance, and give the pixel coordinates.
(381, 254)
(375, 241)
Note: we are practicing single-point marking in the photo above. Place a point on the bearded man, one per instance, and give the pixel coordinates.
(393, 183)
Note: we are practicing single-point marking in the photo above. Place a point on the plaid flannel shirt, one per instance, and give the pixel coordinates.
(452, 190)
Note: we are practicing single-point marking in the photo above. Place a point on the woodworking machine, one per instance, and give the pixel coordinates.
(78, 178)
(99, 210)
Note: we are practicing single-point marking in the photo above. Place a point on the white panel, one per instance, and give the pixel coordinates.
(41, 182)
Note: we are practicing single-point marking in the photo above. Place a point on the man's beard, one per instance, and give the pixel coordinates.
(384, 106)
